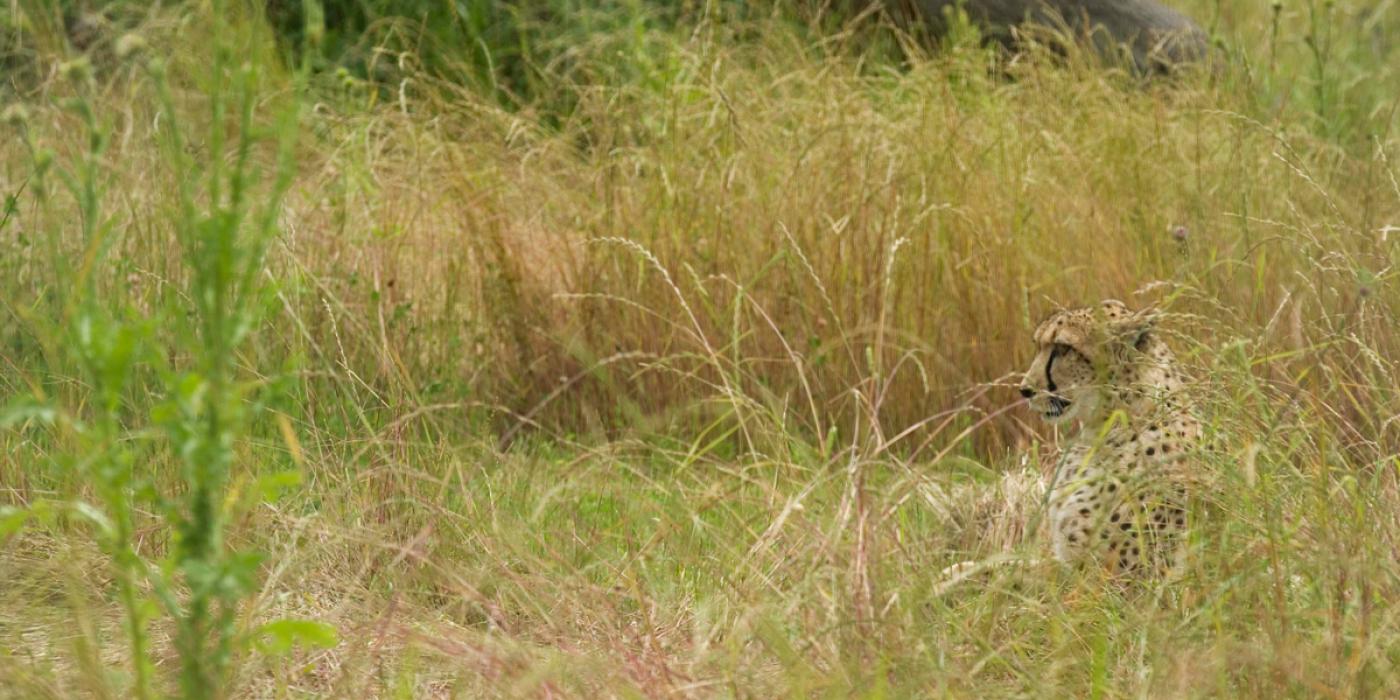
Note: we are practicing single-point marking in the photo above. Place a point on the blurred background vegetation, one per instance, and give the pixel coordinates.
(612, 81)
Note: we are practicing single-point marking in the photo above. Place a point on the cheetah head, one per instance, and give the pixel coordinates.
(1078, 353)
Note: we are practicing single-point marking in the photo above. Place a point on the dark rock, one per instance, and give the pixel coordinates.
(1157, 37)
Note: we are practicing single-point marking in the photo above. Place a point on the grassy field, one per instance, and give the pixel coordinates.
(629, 350)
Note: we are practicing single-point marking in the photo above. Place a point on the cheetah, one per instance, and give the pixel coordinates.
(1120, 493)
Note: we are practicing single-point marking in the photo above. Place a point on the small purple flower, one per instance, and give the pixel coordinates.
(1180, 233)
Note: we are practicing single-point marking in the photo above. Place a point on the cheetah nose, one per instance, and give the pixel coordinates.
(1027, 392)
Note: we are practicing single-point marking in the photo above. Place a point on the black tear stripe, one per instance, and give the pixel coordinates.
(1049, 380)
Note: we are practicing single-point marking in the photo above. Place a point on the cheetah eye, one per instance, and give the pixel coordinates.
(1060, 349)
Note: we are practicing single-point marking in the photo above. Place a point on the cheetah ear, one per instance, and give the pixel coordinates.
(1133, 328)
(1145, 321)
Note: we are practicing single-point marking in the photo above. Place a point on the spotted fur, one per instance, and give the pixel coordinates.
(1120, 493)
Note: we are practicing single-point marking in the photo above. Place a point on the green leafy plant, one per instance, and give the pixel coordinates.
(227, 215)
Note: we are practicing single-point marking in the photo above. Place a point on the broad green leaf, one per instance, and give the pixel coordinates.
(87, 511)
(279, 636)
(11, 520)
(270, 486)
(24, 410)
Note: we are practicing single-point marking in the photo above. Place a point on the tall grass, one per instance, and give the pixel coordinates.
(684, 384)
